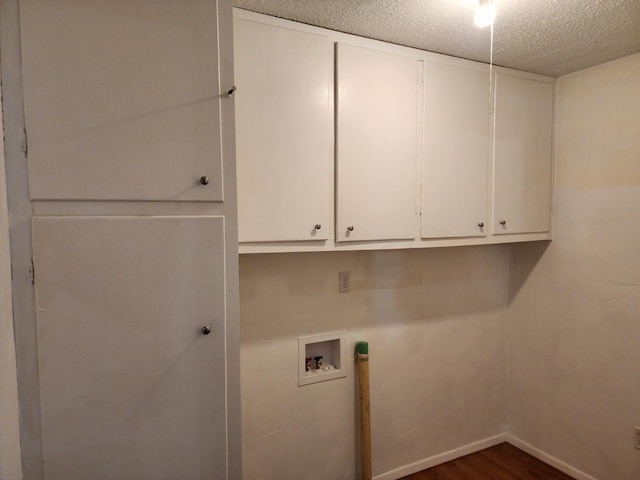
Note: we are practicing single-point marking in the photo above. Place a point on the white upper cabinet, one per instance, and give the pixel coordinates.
(129, 112)
(377, 140)
(419, 159)
(284, 133)
(456, 151)
(523, 155)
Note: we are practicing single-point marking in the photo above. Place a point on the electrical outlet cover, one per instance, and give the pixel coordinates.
(345, 281)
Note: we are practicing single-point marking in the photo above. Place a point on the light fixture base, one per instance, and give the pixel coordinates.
(485, 14)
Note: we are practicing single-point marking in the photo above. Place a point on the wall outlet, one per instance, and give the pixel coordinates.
(636, 439)
(345, 282)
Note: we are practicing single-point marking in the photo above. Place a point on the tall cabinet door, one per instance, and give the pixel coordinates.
(132, 382)
(284, 133)
(456, 151)
(122, 99)
(523, 155)
(377, 154)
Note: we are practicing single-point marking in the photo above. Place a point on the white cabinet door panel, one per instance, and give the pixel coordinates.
(284, 133)
(523, 152)
(456, 151)
(130, 387)
(122, 99)
(377, 108)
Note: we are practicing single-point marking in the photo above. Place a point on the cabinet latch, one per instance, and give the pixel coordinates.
(24, 144)
(32, 273)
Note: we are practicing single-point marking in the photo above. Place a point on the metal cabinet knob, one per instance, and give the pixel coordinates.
(318, 226)
(206, 330)
(350, 228)
(503, 222)
(233, 89)
(204, 180)
(481, 225)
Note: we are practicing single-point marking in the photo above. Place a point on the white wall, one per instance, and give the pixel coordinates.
(436, 326)
(10, 463)
(575, 315)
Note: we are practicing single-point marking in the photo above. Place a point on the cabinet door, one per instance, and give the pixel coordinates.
(284, 133)
(523, 149)
(377, 108)
(131, 388)
(122, 99)
(456, 151)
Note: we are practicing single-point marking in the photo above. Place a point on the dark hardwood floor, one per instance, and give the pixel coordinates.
(502, 462)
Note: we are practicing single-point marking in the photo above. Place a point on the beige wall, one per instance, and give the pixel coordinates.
(10, 468)
(436, 327)
(551, 329)
(575, 315)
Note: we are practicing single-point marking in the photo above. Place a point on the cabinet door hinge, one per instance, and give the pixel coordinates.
(32, 273)
(25, 144)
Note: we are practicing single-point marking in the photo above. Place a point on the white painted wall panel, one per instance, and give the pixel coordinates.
(122, 99)
(284, 127)
(435, 320)
(130, 387)
(574, 323)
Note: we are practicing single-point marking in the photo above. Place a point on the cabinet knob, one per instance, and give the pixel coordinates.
(206, 330)
(318, 226)
(350, 228)
(503, 222)
(481, 225)
(233, 89)
(204, 180)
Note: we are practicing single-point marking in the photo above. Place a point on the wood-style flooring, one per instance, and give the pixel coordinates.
(502, 462)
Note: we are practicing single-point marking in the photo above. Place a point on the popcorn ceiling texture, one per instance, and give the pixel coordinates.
(550, 37)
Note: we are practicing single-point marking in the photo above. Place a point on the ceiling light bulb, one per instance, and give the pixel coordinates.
(485, 14)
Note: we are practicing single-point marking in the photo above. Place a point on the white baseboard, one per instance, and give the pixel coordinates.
(442, 458)
(549, 459)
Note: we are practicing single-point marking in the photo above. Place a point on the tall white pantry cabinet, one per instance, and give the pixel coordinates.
(426, 150)
(129, 117)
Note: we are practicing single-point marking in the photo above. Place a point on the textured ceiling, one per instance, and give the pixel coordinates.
(551, 37)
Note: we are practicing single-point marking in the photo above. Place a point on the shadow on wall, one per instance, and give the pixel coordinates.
(291, 294)
(524, 258)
